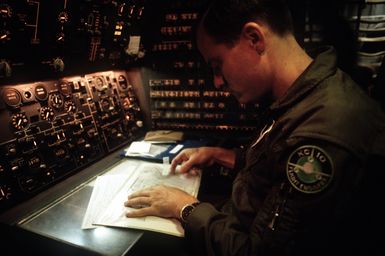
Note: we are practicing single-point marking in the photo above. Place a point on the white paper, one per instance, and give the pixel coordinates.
(145, 148)
(107, 201)
(105, 188)
(176, 149)
(138, 147)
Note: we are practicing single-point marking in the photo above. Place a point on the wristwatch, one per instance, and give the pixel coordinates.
(187, 210)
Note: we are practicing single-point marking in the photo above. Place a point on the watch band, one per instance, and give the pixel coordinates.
(187, 210)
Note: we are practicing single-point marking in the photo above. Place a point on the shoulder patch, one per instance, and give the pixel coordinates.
(309, 169)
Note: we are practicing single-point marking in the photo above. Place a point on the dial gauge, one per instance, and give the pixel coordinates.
(69, 106)
(47, 113)
(19, 121)
(56, 100)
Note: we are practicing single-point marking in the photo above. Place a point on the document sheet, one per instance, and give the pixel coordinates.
(106, 205)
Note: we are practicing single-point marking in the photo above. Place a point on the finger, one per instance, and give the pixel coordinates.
(139, 202)
(195, 171)
(180, 158)
(186, 166)
(141, 193)
(173, 166)
(140, 212)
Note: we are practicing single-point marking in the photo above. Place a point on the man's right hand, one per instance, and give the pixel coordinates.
(193, 158)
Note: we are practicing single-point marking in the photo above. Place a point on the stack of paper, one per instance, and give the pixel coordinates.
(145, 149)
(106, 205)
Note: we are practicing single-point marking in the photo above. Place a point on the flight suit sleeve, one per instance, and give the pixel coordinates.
(300, 208)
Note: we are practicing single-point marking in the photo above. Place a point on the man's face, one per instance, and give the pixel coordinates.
(237, 69)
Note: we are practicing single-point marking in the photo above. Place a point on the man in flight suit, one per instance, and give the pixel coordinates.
(308, 183)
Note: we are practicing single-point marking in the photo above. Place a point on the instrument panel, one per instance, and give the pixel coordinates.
(42, 39)
(51, 129)
(88, 60)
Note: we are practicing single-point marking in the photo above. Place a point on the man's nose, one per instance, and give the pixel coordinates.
(218, 81)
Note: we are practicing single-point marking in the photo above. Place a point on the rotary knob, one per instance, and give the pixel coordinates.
(5, 192)
(60, 37)
(58, 64)
(5, 68)
(139, 123)
(5, 35)
(19, 121)
(63, 17)
(69, 106)
(5, 11)
(56, 100)
(47, 113)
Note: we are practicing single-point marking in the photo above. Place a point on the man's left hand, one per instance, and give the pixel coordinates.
(162, 201)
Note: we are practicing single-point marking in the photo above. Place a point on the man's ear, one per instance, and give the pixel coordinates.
(254, 33)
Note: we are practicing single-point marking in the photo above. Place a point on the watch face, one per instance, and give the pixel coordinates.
(186, 211)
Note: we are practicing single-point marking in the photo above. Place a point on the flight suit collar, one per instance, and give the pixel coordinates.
(324, 65)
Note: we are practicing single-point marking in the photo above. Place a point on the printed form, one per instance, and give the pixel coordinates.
(106, 205)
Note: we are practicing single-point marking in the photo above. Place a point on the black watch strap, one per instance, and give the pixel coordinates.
(187, 210)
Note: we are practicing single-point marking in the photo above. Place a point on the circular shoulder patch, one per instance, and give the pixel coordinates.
(309, 169)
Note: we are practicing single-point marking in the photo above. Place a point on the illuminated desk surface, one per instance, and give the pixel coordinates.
(50, 223)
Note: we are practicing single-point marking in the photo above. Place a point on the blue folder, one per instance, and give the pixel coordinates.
(170, 150)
